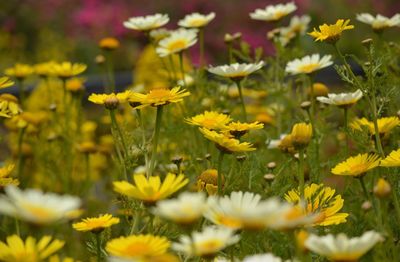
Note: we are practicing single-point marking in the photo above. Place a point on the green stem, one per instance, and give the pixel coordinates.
(182, 69)
(144, 143)
(21, 89)
(87, 171)
(376, 129)
(219, 170)
(395, 198)
(348, 68)
(230, 53)
(17, 230)
(19, 151)
(239, 86)
(110, 71)
(201, 40)
(301, 173)
(171, 61)
(346, 130)
(364, 188)
(155, 138)
(98, 246)
(115, 126)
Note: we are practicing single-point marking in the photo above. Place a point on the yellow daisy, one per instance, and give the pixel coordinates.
(301, 134)
(110, 101)
(158, 97)
(44, 69)
(19, 71)
(226, 143)
(208, 181)
(210, 120)
(109, 43)
(331, 33)
(5, 179)
(75, 84)
(5, 82)
(357, 165)
(238, 129)
(392, 160)
(16, 250)
(96, 224)
(9, 106)
(151, 190)
(67, 69)
(322, 200)
(385, 125)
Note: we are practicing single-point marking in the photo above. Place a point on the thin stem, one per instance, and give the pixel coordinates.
(239, 86)
(155, 138)
(98, 246)
(376, 129)
(182, 69)
(171, 61)
(364, 188)
(301, 173)
(346, 130)
(144, 143)
(348, 68)
(17, 230)
(219, 170)
(201, 40)
(19, 152)
(115, 127)
(110, 71)
(21, 89)
(395, 198)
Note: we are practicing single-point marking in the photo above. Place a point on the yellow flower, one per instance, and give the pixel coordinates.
(9, 106)
(301, 134)
(56, 258)
(357, 165)
(44, 69)
(392, 160)
(322, 200)
(96, 224)
(210, 120)
(5, 82)
(19, 71)
(320, 89)
(5, 178)
(109, 43)
(286, 144)
(382, 188)
(225, 143)
(158, 97)
(75, 84)
(110, 101)
(138, 247)
(385, 125)
(68, 69)
(331, 33)
(238, 129)
(208, 181)
(16, 250)
(151, 190)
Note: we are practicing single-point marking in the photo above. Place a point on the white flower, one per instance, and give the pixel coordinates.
(308, 64)
(342, 248)
(342, 99)
(236, 70)
(206, 243)
(273, 12)
(245, 211)
(298, 26)
(34, 206)
(146, 23)
(274, 143)
(196, 20)
(379, 22)
(267, 257)
(159, 34)
(178, 41)
(186, 209)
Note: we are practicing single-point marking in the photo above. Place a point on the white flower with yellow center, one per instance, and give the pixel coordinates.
(37, 207)
(236, 71)
(178, 41)
(196, 20)
(342, 248)
(206, 243)
(308, 64)
(273, 12)
(267, 257)
(342, 99)
(146, 23)
(186, 209)
(245, 211)
(298, 26)
(379, 22)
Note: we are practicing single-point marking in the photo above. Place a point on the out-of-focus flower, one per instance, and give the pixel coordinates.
(298, 26)
(5, 176)
(392, 160)
(9, 106)
(357, 165)
(344, 100)
(196, 20)
(238, 129)
(267, 257)
(382, 188)
(331, 33)
(96, 224)
(379, 22)
(19, 71)
(66, 70)
(208, 181)
(34, 206)
(226, 143)
(322, 200)
(44, 69)
(146, 23)
(319, 89)
(75, 84)
(159, 34)
(385, 125)
(308, 64)
(184, 210)
(15, 249)
(210, 119)
(229, 38)
(273, 12)
(151, 190)
(158, 97)
(342, 248)
(87, 147)
(109, 43)
(5, 82)
(176, 42)
(206, 243)
(301, 134)
(236, 71)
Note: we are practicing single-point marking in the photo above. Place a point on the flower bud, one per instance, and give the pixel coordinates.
(382, 188)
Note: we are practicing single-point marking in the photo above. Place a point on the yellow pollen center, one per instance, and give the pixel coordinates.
(40, 212)
(210, 246)
(137, 250)
(177, 45)
(159, 93)
(309, 68)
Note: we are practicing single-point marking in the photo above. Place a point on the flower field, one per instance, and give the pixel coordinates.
(242, 154)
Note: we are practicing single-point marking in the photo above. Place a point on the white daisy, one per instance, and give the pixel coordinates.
(274, 143)
(267, 257)
(342, 248)
(34, 206)
(298, 26)
(236, 71)
(273, 12)
(379, 22)
(308, 64)
(146, 23)
(186, 209)
(206, 243)
(196, 20)
(342, 99)
(178, 41)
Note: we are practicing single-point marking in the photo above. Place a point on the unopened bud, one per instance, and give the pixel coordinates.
(382, 188)
(271, 165)
(366, 205)
(367, 42)
(269, 177)
(305, 105)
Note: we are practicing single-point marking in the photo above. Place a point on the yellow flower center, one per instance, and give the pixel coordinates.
(196, 22)
(159, 94)
(137, 249)
(177, 45)
(39, 212)
(210, 246)
(309, 68)
(228, 221)
(359, 168)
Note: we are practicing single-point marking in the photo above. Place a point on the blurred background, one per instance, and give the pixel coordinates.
(33, 31)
